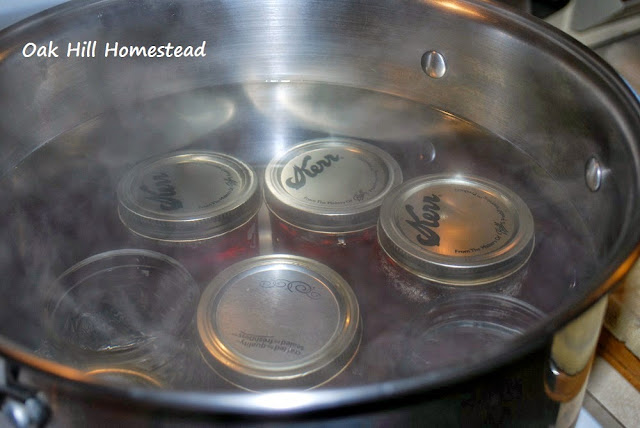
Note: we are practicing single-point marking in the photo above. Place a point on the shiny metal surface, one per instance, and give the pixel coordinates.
(188, 196)
(434, 64)
(569, 365)
(456, 229)
(486, 89)
(330, 185)
(593, 174)
(569, 107)
(278, 321)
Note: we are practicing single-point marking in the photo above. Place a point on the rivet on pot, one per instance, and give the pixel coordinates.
(593, 174)
(433, 64)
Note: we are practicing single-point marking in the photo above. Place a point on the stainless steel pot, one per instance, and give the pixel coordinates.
(545, 115)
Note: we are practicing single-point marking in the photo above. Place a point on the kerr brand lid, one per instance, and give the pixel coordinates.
(457, 230)
(187, 196)
(278, 321)
(331, 184)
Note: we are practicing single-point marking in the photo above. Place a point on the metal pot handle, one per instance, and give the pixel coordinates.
(569, 365)
(20, 406)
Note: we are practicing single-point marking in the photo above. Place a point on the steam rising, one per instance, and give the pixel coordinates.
(59, 208)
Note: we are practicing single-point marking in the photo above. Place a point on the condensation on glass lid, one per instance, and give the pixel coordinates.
(123, 306)
(278, 321)
(456, 229)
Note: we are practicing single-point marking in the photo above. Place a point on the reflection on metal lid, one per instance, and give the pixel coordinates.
(458, 230)
(187, 196)
(330, 185)
(278, 321)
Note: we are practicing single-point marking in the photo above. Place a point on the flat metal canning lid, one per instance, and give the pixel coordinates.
(455, 229)
(278, 321)
(186, 196)
(331, 184)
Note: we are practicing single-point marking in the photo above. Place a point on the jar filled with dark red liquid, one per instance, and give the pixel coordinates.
(441, 234)
(324, 198)
(198, 207)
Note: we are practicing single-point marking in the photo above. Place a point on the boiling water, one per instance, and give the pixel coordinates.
(59, 204)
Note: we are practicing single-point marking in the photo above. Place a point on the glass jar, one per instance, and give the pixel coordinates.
(278, 321)
(198, 207)
(462, 329)
(122, 312)
(439, 234)
(324, 197)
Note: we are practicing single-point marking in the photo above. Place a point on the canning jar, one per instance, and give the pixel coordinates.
(122, 314)
(324, 197)
(278, 321)
(463, 328)
(198, 207)
(440, 234)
